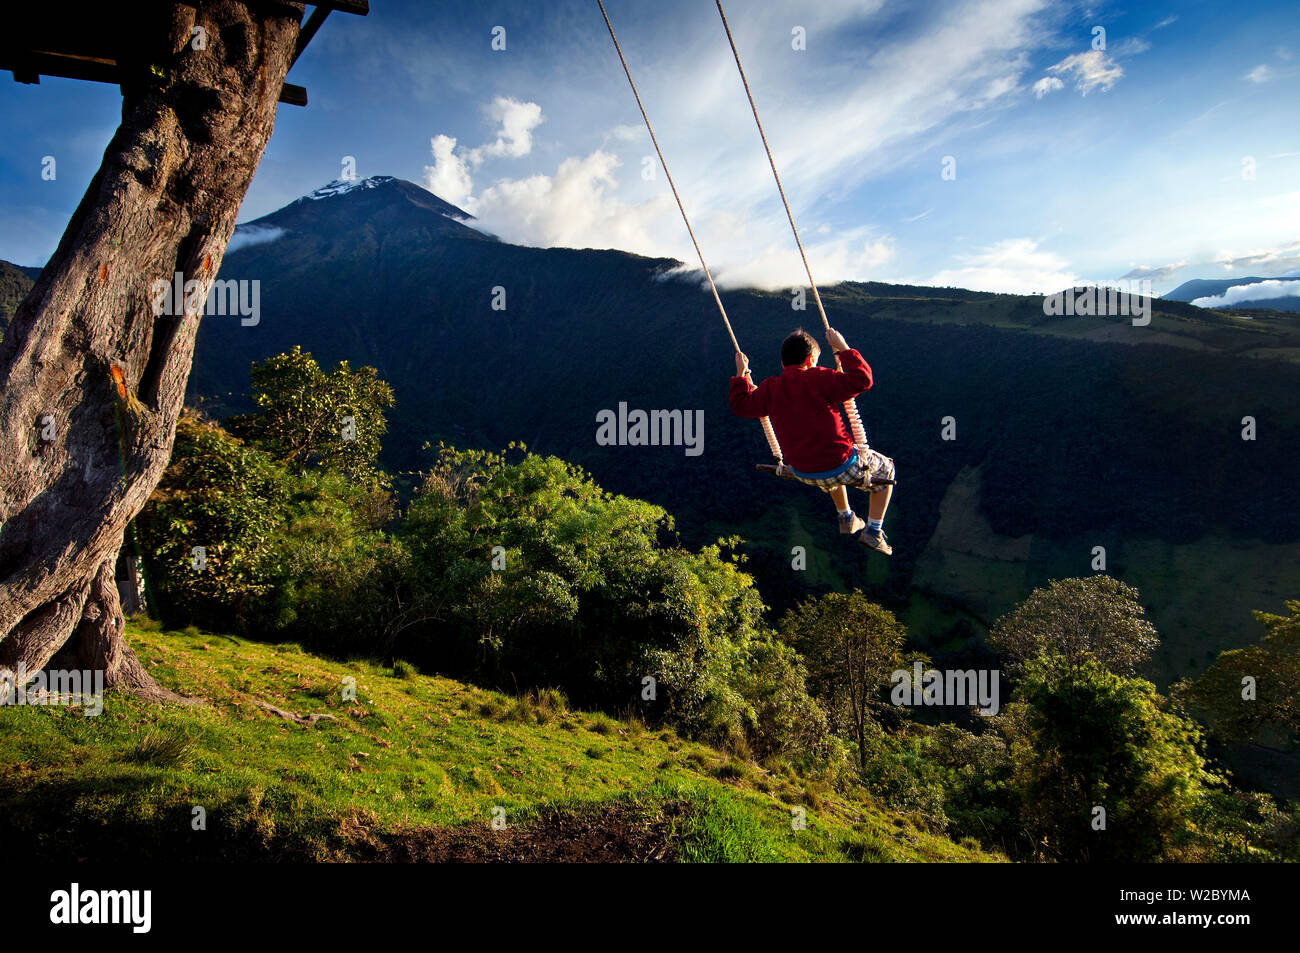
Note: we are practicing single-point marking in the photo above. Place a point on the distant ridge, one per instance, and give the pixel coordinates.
(1200, 288)
(1189, 291)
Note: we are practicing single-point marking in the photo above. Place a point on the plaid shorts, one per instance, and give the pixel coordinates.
(859, 470)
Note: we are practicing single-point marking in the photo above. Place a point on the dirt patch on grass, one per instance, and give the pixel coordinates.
(607, 834)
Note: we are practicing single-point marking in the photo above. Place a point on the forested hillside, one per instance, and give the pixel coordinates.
(1086, 431)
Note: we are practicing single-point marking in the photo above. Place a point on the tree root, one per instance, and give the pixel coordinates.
(308, 721)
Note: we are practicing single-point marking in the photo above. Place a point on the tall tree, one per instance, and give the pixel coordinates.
(310, 416)
(851, 647)
(1093, 618)
(1252, 694)
(92, 380)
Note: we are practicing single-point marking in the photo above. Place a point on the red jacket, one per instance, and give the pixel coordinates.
(804, 408)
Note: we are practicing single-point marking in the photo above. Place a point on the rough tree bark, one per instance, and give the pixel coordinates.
(163, 201)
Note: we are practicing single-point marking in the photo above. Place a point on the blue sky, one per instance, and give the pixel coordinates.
(1171, 153)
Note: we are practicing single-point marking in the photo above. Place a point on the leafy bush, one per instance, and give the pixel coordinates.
(285, 555)
(1247, 827)
(541, 578)
(1082, 738)
(308, 417)
(898, 770)
(209, 530)
(1272, 715)
(975, 771)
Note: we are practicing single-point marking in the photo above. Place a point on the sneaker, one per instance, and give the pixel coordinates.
(875, 541)
(851, 524)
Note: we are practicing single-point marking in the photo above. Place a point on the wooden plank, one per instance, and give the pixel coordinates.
(308, 31)
(50, 64)
(359, 7)
(31, 67)
(292, 95)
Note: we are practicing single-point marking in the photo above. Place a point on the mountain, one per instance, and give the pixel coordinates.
(1199, 288)
(1072, 432)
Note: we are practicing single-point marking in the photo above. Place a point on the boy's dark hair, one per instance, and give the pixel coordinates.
(796, 348)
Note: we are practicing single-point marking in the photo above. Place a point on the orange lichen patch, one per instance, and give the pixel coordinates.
(207, 263)
(119, 378)
(103, 273)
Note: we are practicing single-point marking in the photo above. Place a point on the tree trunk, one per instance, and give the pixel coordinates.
(77, 462)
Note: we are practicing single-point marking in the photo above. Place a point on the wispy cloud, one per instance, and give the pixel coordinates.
(936, 80)
(1262, 260)
(1015, 265)
(1131, 46)
(515, 138)
(1048, 84)
(1260, 74)
(1158, 273)
(246, 235)
(1090, 70)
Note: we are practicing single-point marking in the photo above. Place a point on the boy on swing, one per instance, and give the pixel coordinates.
(803, 403)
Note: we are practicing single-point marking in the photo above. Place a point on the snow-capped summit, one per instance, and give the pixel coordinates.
(344, 186)
(359, 206)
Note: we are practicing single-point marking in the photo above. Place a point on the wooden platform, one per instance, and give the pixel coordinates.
(100, 40)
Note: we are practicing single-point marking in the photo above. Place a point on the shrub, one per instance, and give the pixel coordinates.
(542, 578)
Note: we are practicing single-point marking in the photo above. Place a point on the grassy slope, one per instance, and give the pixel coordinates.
(410, 759)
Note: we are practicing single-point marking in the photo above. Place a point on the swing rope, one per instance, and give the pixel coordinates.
(768, 432)
(850, 405)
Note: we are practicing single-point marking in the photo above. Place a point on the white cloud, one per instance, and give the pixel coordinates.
(1267, 259)
(1047, 85)
(1260, 74)
(1014, 265)
(778, 265)
(1132, 46)
(1158, 273)
(246, 235)
(515, 138)
(575, 208)
(1090, 70)
(627, 132)
(448, 177)
(1260, 291)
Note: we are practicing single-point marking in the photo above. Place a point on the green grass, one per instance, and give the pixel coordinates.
(411, 753)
